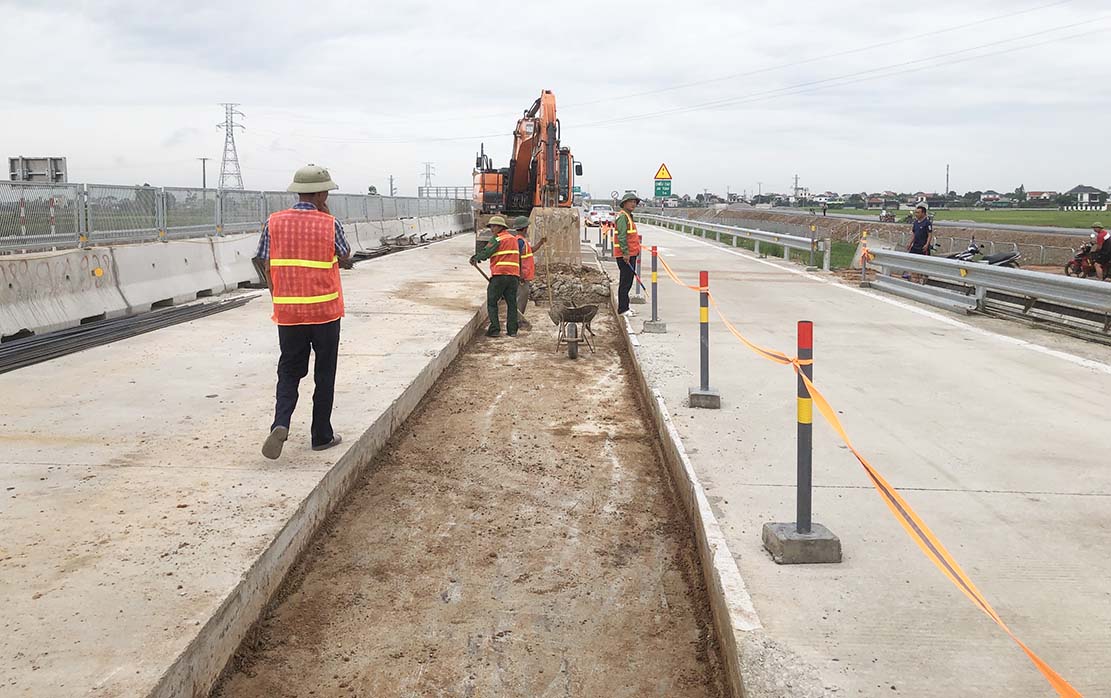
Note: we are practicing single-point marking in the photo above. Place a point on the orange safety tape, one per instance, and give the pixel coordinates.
(919, 532)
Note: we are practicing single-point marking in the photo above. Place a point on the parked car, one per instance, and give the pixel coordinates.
(599, 214)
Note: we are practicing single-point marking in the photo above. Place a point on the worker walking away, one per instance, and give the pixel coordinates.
(504, 254)
(528, 266)
(302, 249)
(626, 247)
(1101, 249)
(923, 230)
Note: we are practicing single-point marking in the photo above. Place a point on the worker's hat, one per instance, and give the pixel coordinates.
(1097, 224)
(520, 223)
(498, 220)
(311, 179)
(630, 196)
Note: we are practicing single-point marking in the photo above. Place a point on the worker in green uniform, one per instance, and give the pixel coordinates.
(626, 248)
(504, 254)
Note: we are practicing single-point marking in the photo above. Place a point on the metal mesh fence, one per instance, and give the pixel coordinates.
(39, 216)
(117, 213)
(241, 211)
(189, 212)
(43, 216)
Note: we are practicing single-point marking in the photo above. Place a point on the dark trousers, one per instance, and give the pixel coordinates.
(295, 342)
(625, 282)
(502, 286)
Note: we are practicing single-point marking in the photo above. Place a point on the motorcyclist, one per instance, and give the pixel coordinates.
(1101, 248)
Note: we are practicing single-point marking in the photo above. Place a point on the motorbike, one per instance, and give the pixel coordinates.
(1082, 265)
(975, 253)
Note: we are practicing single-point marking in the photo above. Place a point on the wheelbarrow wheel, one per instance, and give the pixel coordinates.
(572, 340)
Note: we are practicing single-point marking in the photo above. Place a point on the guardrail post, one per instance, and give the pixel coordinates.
(813, 242)
(638, 296)
(827, 261)
(803, 541)
(704, 396)
(756, 244)
(219, 209)
(160, 213)
(82, 213)
(864, 259)
(655, 326)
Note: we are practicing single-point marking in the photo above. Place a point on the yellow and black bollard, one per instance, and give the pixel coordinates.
(655, 325)
(704, 396)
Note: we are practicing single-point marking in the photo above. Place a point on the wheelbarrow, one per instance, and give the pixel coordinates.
(574, 327)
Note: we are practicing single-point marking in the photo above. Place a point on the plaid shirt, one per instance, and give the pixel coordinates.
(343, 249)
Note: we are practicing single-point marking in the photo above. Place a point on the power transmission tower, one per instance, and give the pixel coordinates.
(429, 170)
(393, 190)
(796, 188)
(230, 175)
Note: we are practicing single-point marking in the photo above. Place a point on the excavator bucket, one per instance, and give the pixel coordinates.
(561, 226)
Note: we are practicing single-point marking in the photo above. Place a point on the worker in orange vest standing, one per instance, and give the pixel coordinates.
(504, 254)
(626, 247)
(528, 266)
(305, 247)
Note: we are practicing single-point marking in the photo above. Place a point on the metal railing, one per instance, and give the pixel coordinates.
(785, 241)
(36, 216)
(977, 280)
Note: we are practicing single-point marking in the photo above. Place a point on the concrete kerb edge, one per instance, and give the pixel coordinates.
(750, 658)
(204, 661)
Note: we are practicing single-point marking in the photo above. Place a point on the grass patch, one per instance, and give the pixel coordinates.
(1048, 217)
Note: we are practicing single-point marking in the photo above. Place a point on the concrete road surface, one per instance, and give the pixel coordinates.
(994, 433)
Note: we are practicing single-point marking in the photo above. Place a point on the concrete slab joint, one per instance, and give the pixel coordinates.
(789, 547)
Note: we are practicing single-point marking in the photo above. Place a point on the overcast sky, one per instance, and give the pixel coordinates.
(1007, 92)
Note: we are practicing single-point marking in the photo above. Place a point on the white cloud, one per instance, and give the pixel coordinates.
(129, 90)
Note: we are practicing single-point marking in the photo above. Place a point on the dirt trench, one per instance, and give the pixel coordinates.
(517, 537)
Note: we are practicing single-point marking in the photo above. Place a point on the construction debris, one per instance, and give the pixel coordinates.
(571, 285)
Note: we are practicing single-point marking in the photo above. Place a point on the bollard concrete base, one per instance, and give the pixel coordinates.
(812, 268)
(789, 547)
(638, 300)
(709, 399)
(655, 327)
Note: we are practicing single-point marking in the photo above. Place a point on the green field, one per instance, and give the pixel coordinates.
(1050, 217)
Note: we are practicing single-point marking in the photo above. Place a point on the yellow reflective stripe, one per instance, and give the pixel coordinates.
(507, 264)
(806, 410)
(704, 315)
(655, 277)
(526, 256)
(305, 300)
(310, 263)
(497, 254)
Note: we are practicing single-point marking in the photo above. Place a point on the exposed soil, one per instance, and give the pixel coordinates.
(517, 537)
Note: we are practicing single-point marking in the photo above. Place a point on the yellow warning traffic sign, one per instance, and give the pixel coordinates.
(662, 173)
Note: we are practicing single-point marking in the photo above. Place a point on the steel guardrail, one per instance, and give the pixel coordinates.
(982, 278)
(787, 242)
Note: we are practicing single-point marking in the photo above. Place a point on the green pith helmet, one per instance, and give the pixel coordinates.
(311, 179)
(629, 197)
(520, 223)
(498, 220)
(1097, 224)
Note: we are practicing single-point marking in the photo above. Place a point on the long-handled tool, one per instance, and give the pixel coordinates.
(479, 270)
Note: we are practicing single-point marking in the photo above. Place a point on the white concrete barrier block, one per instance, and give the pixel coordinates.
(46, 291)
(166, 273)
(233, 259)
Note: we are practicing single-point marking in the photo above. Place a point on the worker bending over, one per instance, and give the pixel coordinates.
(504, 254)
(302, 249)
(626, 247)
(528, 266)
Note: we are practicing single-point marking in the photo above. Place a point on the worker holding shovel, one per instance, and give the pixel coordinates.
(504, 254)
(528, 266)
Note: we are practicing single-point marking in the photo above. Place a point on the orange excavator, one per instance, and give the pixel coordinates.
(541, 172)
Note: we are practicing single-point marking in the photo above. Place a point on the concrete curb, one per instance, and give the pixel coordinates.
(198, 668)
(756, 666)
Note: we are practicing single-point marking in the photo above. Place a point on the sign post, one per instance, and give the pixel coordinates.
(663, 181)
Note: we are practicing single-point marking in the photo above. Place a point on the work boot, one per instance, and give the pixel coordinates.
(336, 439)
(493, 332)
(272, 447)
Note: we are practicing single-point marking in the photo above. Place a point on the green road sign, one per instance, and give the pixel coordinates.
(663, 187)
(576, 190)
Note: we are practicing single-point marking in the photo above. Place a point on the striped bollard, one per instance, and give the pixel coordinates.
(655, 325)
(803, 541)
(704, 396)
(638, 295)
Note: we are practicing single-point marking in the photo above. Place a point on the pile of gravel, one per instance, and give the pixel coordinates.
(571, 285)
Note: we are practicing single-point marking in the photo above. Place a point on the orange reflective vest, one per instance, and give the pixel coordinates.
(632, 239)
(507, 260)
(528, 264)
(304, 269)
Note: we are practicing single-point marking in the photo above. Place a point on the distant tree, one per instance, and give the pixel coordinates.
(1065, 200)
(1019, 194)
(855, 201)
(372, 190)
(700, 198)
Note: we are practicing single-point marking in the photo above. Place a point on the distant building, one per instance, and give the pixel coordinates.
(1088, 198)
(1042, 195)
(45, 169)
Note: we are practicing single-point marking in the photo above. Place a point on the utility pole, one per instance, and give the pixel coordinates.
(230, 175)
(796, 189)
(947, 180)
(759, 189)
(393, 191)
(204, 172)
